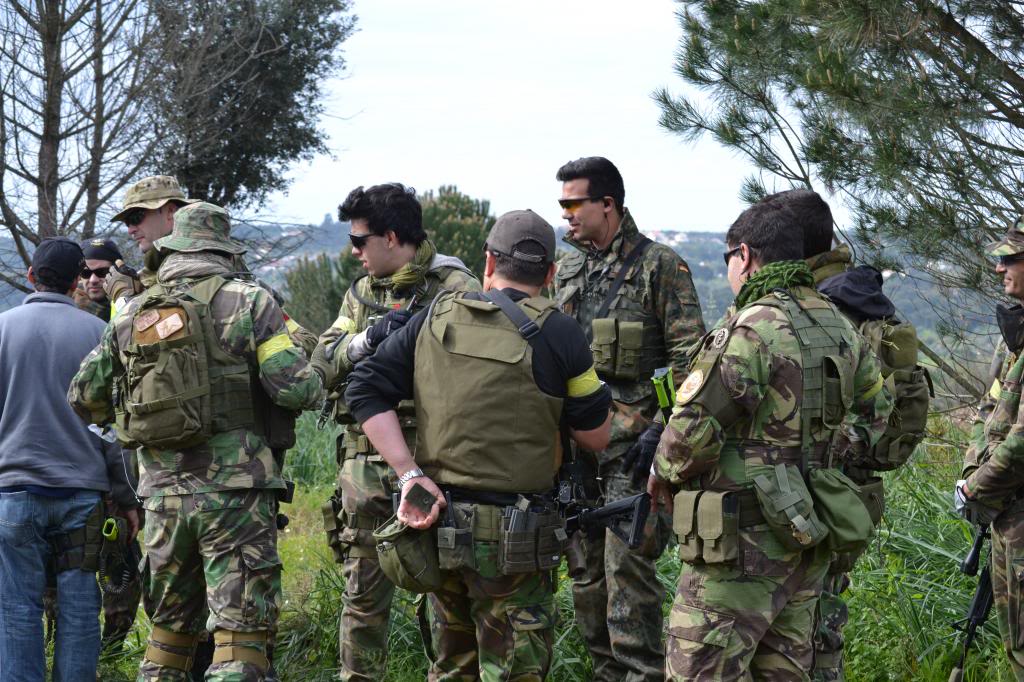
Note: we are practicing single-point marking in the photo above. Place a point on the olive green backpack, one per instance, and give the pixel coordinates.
(895, 345)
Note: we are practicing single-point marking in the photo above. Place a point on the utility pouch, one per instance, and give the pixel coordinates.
(331, 510)
(455, 548)
(838, 505)
(787, 505)
(872, 495)
(603, 346)
(629, 350)
(718, 526)
(684, 523)
(408, 556)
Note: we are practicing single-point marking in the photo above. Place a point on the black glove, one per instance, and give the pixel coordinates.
(638, 458)
(386, 326)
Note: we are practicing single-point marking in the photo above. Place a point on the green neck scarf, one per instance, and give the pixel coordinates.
(411, 273)
(784, 274)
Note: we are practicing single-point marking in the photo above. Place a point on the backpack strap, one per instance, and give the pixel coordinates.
(627, 263)
(527, 327)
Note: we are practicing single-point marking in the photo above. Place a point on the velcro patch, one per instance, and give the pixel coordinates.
(169, 325)
(146, 320)
(691, 386)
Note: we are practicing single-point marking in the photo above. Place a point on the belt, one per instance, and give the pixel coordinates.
(780, 454)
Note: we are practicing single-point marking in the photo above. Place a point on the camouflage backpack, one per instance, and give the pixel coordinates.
(895, 345)
(179, 386)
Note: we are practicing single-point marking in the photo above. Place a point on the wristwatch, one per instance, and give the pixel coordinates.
(415, 472)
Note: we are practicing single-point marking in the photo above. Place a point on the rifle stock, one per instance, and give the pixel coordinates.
(631, 510)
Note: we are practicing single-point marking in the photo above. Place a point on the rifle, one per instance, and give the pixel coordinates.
(632, 510)
(981, 603)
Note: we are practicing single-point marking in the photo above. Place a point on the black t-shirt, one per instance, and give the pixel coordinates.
(563, 367)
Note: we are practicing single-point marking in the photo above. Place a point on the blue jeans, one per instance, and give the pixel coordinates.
(26, 523)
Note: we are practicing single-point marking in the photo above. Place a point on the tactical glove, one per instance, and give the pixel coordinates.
(386, 326)
(121, 281)
(323, 366)
(639, 457)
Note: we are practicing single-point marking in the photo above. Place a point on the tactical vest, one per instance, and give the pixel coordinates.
(368, 312)
(483, 424)
(628, 341)
(827, 373)
(179, 387)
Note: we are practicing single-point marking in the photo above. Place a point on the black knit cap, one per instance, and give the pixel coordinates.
(101, 249)
(57, 261)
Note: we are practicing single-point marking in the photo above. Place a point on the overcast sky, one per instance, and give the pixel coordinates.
(494, 96)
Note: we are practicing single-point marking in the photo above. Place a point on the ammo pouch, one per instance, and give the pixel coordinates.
(838, 504)
(81, 547)
(408, 556)
(787, 505)
(530, 541)
(707, 526)
(618, 349)
(331, 510)
(349, 535)
(455, 547)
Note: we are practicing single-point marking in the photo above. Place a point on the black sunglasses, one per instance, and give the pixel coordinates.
(728, 254)
(134, 217)
(359, 240)
(99, 272)
(574, 204)
(1013, 258)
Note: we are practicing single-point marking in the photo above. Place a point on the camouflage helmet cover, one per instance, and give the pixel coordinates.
(200, 227)
(152, 192)
(1011, 244)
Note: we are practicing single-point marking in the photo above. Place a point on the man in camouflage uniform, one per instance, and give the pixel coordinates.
(756, 408)
(494, 374)
(404, 274)
(119, 608)
(211, 502)
(648, 323)
(992, 468)
(857, 291)
(148, 213)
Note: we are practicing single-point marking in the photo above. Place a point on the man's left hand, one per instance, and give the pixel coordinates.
(416, 518)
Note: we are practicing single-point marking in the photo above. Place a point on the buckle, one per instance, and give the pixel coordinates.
(529, 330)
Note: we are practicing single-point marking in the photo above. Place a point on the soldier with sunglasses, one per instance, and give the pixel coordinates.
(404, 273)
(636, 302)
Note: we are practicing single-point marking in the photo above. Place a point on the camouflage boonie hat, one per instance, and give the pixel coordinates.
(200, 227)
(152, 192)
(1011, 244)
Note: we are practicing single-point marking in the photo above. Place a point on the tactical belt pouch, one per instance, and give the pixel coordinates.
(684, 523)
(603, 346)
(787, 505)
(872, 495)
(455, 548)
(629, 352)
(331, 511)
(79, 548)
(838, 505)
(718, 526)
(408, 556)
(534, 545)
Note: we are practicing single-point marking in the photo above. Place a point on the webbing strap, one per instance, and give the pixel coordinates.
(527, 327)
(166, 403)
(168, 659)
(231, 647)
(232, 637)
(162, 635)
(627, 263)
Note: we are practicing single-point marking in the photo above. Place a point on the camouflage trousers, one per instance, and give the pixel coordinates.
(491, 627)
(830, 619)
(211, 562)
(752, 620)
(619, 598)
(365, 484)
(1008, 584)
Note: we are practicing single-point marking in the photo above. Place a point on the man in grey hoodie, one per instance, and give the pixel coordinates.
(53, 475)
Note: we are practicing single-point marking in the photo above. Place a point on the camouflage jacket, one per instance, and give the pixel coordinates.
(366, 300)
(994, 457)
(248, 324)
(100, 309)
(751, 399)
(658, 291)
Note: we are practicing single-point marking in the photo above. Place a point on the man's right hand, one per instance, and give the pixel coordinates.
(121, 281)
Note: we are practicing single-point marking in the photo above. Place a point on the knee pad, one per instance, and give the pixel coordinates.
(248, 647)
(171, 649)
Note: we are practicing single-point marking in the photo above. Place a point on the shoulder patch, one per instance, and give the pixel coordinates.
(691, 386)
(719, 338)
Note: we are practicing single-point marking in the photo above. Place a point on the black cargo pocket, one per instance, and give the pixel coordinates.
(533, 631)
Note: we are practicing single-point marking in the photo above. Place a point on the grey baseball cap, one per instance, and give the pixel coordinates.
(523, 235)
